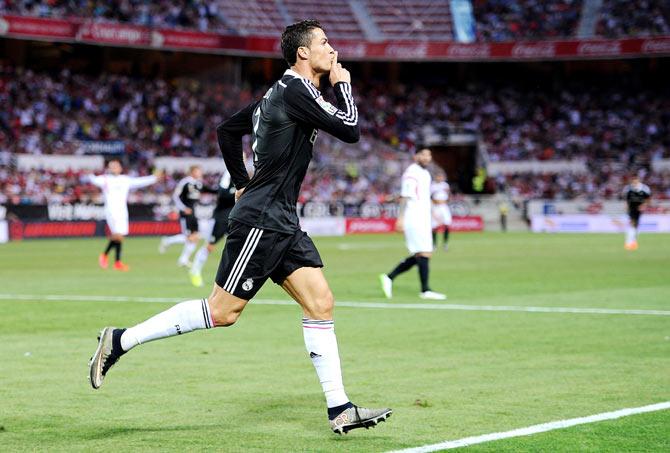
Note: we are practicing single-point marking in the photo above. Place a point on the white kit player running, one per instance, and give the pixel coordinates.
(415, 220)
(439, 191)
(115, 187)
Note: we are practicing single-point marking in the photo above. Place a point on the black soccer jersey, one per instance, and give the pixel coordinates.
(188, 191)
(636, 195)
(284, 126)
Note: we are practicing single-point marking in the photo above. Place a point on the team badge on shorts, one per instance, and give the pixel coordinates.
(248, 284)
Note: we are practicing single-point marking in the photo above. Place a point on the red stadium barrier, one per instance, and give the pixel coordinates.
(136, 36)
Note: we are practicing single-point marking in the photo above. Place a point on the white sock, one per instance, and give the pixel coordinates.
(176, 239)
(182, 318)
(321, 345)
(630, 234)
(189, 247)
(200, 259)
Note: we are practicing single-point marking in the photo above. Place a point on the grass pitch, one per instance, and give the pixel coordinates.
(448, 374)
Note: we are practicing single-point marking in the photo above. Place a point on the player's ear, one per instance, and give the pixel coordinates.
(303, 53)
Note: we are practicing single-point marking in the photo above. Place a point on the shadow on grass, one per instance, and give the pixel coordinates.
(105, 433)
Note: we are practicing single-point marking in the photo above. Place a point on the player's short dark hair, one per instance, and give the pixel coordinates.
(297, 35)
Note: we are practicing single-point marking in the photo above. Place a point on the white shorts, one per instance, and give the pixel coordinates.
(117, 222)
(418, 237)
(441, 215)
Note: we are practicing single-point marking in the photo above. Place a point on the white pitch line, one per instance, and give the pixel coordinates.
(535, 429)
(352, 304)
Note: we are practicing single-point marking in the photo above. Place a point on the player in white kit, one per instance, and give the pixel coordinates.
(115, 187)
(415, 220)
(439, 191)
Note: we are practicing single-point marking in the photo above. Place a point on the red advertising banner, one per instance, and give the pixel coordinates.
(363, 226)
(38, 27)
(54, 229)
(384, 225)
(154, 228)
(131, 35)
(110, 33)
(187, 39)
(466, 223)
(30, 230)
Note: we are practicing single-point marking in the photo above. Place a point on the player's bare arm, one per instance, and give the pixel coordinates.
(400, 221)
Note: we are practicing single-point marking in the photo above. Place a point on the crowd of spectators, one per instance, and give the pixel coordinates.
(598, 185)
(52, 113)
(612, 123)
(640, 18)
(521, 122)
(514, 20)
(496, 20)
(202, 15)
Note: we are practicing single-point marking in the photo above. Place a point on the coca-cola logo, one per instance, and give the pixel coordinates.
(113, 33)
(472, 223)
(656, 46)
(525, 50)
(469, 50)
(352, 49)
(407, 50)
(599, 48)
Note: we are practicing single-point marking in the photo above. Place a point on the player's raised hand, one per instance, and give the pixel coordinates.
(338, 73)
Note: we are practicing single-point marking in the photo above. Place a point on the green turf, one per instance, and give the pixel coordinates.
(447, 374)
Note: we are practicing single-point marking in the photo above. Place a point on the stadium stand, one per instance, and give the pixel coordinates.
(253, 17)
(511, 20)
(612, 127)
(336, 16)
(197, 14)
(641, 18)
(496, 20)
(413, 19)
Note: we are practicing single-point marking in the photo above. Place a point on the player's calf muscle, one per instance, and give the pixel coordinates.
(224, 307)
(320, 306)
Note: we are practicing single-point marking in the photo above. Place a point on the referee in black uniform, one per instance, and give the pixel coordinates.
(265, 240)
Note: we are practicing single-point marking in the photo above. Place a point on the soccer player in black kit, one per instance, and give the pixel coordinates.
(636, 195)
(265, 240)
(186, 195)
(225, 200)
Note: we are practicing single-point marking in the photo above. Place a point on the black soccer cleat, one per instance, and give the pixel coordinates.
(105, 356)
(358, 417)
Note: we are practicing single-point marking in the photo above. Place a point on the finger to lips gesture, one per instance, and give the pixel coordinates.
(338, 73)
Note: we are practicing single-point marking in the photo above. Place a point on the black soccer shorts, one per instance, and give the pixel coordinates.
(189, 224)
(252, 255)
(634, 215)
(220, 228)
